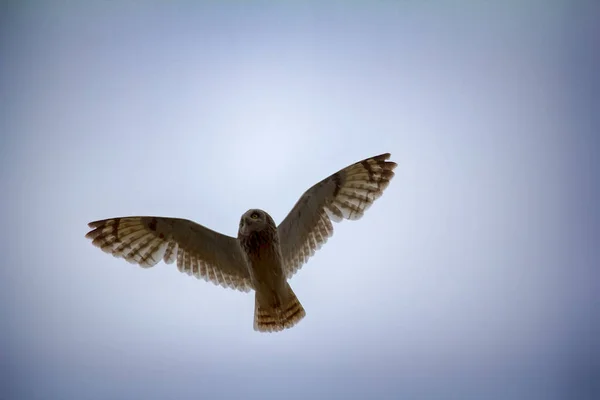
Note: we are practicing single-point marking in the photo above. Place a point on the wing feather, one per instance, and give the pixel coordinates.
(347, 194)
(198, 251)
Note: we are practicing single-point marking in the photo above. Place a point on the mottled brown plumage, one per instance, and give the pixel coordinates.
(276, 305)
(263, 256)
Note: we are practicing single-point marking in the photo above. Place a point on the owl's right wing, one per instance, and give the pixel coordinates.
(347, 194)
(199, 251)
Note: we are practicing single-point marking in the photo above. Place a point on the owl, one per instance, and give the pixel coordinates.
(263, 256)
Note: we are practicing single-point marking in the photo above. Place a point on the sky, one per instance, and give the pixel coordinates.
(473, 277)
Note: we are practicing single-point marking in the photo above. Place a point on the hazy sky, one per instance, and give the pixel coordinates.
(474, 276)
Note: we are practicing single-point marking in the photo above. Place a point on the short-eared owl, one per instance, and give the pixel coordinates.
(263, 256)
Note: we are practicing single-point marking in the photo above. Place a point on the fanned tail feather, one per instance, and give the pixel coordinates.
(269, 319)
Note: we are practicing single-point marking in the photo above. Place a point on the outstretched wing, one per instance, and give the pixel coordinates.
(199, 251)
(347, 194)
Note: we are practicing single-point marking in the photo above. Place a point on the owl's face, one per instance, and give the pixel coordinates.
(254, 221)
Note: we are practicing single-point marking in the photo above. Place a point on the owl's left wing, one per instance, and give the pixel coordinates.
(347, 194)
(198, 250)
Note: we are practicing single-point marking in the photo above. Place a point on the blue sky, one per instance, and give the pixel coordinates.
(474, 276)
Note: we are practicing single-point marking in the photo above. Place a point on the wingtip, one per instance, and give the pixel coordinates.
(390, 165)
(89, 234)
(95, 224)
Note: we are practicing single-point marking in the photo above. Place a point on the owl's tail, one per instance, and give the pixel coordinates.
(273, 319)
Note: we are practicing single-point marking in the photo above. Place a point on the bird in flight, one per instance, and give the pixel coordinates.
(264, 256)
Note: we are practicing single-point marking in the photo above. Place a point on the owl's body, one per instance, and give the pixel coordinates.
(276, 305)
(264, 256)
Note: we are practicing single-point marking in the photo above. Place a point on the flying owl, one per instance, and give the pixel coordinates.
(264, 256)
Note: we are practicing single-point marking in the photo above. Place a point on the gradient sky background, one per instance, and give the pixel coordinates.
(474, 276)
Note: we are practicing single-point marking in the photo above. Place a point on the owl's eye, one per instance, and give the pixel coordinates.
(254, 215)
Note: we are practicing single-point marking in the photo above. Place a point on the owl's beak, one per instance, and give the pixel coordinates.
(246, 222)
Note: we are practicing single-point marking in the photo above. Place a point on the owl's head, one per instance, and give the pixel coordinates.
(255, 220)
